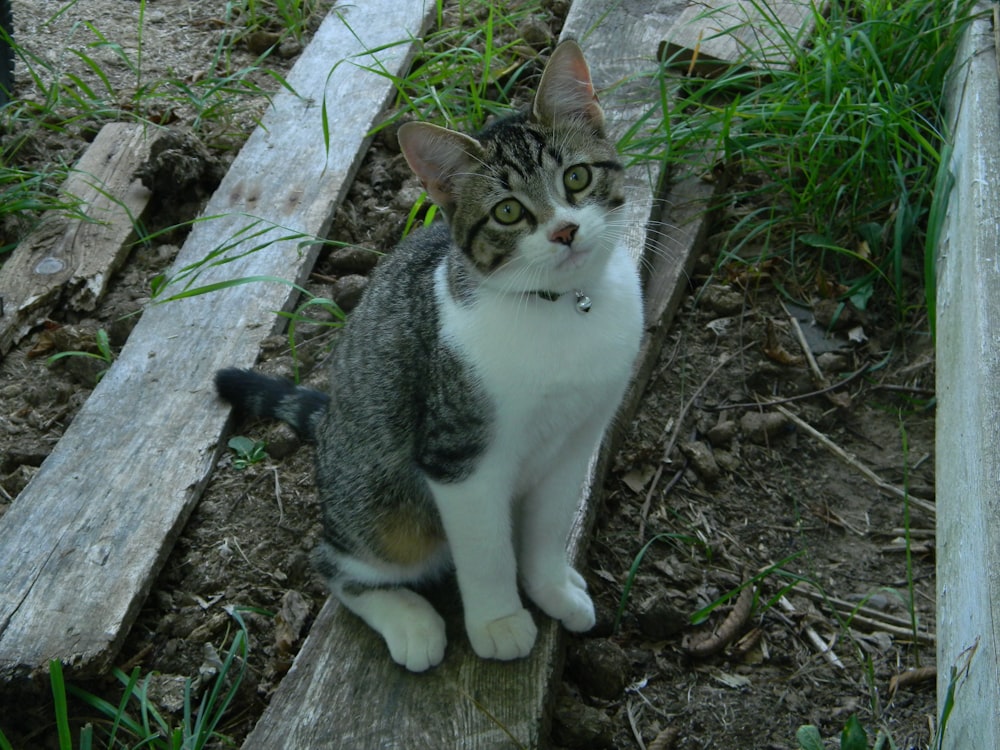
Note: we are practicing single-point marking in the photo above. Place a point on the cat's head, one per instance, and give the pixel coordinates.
(529, 199)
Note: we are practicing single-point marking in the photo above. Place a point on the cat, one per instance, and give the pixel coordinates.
(475, 379)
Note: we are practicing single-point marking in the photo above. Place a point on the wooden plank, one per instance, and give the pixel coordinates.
(712, 35)
(968, 392)
(72, 259)
(83, 542)
(343, 690)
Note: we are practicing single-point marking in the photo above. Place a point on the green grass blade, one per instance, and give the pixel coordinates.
(634, 569)
(59, 703)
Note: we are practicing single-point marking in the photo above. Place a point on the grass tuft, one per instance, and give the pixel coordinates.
(840, 153)
(136, 722)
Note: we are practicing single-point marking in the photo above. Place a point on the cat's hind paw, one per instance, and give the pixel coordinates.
(417, 642)
(505, 638)
(409, 625)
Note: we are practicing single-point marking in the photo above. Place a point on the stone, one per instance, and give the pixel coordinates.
(599, 667)
(576, 725)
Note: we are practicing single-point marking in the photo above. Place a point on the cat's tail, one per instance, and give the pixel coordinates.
(255, 395)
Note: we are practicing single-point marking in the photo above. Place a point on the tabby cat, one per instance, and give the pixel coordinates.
(475, 380)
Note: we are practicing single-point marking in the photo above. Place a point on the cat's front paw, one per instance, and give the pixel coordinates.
(566, 601)
(417, 641)
(504, 638)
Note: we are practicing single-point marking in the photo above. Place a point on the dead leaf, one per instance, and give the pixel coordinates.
(637, 479)
(290, 620)
(774, 350)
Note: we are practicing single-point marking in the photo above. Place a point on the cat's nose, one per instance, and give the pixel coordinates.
(564, 235)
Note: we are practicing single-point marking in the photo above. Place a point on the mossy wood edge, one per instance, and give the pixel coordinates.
(82, 544)
(343, 690)
(70, 258)
(714, 35)
(968, 392)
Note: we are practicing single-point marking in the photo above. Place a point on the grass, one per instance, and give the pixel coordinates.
(842, 176)
(98, 79)
(135, 721)
(283, 18)
(103, 354)
(468, 69)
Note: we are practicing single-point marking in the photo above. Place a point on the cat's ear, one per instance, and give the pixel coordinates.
(566, 92)
(436, 155)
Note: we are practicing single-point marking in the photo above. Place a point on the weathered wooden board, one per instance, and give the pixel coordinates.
(82, 543)
(968, 392)
(343, 690)
(73, 258)
(712, 35)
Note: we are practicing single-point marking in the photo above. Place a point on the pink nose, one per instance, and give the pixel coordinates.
(564, 235)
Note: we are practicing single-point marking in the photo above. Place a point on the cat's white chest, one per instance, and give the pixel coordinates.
(546, 365)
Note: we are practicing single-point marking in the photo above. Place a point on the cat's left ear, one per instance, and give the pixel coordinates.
(436, 155)
(566, 91)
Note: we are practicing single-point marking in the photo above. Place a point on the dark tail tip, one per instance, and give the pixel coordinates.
(255, 395)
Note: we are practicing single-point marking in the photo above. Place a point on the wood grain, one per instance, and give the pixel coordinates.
(968, 392)
(712, 35)
(81, 545)
(72, 258)
(343, 690)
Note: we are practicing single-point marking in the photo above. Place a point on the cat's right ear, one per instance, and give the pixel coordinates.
(436, 155)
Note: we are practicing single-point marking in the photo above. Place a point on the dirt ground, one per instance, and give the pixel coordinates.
(715, 490)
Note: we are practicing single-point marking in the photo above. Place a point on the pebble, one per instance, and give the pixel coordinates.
(283, 442)
(347, 291)
(760, 427)
(352, 259)
(660, 620)
(536, 35)
(702, 460)
(166, 691)
(599, 667)
(576, 725)
(722, 434)
(722, 300)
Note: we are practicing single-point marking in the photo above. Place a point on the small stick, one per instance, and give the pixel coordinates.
(790, 399)
(873, 478)
(818, 377)
(818, 643)
(900, 632)
(852, 610)
(277, 497)
(677, 429)
(634, 726)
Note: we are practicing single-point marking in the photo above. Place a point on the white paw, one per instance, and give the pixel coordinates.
(505, 638)
(578, 616)
(417, 641)
(566, 601)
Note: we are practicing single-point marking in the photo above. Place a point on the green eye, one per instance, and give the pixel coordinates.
(508, 211)
(576, 178)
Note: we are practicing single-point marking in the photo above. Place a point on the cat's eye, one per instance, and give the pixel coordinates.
(509, 211)
(576, 178)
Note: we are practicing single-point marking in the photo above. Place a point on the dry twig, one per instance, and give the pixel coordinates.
(673, 437)
(872, 478)
(818, 643)
(866, 618)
